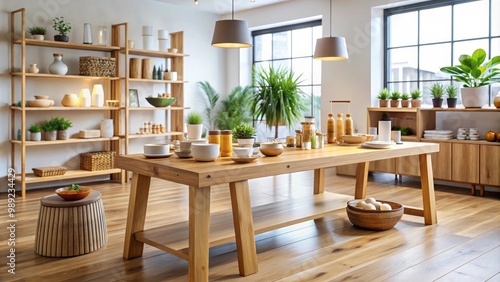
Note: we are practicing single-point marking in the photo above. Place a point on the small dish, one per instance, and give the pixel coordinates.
(73, 195)
(244, 160)
(112, 103)
(40, 103)
(378, 144)
(185, 154)
(172, 50)
(41, 97)
(155, 156)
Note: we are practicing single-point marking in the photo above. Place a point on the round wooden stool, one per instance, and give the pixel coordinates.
(70, 228)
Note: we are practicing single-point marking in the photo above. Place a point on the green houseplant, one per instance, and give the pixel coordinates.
(405, 100)
(395, 96)
(383, 97)
(235, 108)
(62, 126)
(212, 97)
(35, 132)
(194, 125)
(475, 73)
(416, 102)
(62, 27)
(50, 129)
(437, 92)
(37, 32)
(244, 134)
(277, 98)
(451, 93)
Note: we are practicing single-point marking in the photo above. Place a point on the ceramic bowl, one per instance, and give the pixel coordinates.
(41, 97)
(161, 101)
(41, 103)
(186, 144)
(72, 195)
(271, 149)
(205, 152)
(112, 103)
(183, 154)
(243, 152)
(156, 149)
(354, 139)
(172, 50)
(374, 219)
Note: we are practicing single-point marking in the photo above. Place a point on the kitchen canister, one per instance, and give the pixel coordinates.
(107, 128)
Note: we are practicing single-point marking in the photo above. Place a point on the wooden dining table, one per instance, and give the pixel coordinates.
(191, 239)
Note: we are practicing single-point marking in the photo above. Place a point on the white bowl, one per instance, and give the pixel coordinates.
(205, 152)
(186, 144)
(156, 149)
(243, 152)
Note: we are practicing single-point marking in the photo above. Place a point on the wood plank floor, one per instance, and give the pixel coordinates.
(463, 246)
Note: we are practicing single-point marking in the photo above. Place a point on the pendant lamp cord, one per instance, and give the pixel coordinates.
(330, 18)
(232, 11)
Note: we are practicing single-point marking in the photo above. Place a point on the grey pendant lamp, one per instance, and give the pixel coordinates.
(231, 33)
(331, 48)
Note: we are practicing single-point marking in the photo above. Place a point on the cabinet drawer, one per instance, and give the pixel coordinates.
(489, 165)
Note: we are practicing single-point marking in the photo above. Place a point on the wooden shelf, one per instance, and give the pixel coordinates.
(57, 108)
(70, 174)
(66, 76)
(136, 136)
(395, 110)
(66, 45)
(155, 80)
(151, 53)
(174, 238)
(463, 110)
(157, 108)
(478, 142)
(68, 141)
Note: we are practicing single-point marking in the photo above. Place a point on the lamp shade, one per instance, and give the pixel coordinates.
(231, 34)
(331, 49)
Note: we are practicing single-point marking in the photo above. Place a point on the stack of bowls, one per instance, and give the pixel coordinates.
(41, 101)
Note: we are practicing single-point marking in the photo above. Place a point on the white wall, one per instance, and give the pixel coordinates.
(203, 62)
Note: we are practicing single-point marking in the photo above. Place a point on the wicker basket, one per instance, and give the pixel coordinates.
(49, 171)
(97, 66)
(97, 160)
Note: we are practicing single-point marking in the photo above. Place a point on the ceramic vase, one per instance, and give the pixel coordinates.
(85, 98)
(70, 100)
(107, 128)
(97, 96)
(33, 69)
(58, 66)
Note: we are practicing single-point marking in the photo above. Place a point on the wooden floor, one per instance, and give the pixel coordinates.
(463, 246)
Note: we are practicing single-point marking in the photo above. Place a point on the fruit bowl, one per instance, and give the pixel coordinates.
(161, 101)
(374, 219)
(357, 139)
(73, 195)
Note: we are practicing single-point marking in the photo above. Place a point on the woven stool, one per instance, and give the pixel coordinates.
(70, 228)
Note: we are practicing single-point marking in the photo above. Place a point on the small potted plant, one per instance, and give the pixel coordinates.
(194, 125)
(451, 93)
(37, 32)
(62, 127)
(244, 134)
(62, 27)
(395, 96)
(416, 102)
(437, 92)
(35, 132)
(405, 100)
(383, 97)
(50, 129)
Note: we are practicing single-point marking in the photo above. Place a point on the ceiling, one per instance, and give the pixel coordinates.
(221, 7)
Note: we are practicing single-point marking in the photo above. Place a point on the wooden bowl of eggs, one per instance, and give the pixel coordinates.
(373, 214)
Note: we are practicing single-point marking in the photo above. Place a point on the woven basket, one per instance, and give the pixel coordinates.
(49, 171)
(97, 160)
(97, 66)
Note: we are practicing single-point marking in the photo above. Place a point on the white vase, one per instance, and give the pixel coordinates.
(85, 98)
(97, 96)
(474, 97)
(107, 128)
(58, 66)
(194, 131)
(33, 69)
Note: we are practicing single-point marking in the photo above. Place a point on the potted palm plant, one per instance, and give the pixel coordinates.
(37, 32)
(244, 134)
(395, 96)
(62, 27)
(451, 93)
(476, 75)
(194, 125)
(437, 92)
(416, 102)
(405, 100)
(277, 98)
(383, 97)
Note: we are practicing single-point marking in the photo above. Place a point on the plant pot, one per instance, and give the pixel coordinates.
(405, 103)
(383, 103)
(416, 103)
(36, 136)
(62, 135)
(474, 97)
(63, 38)
(51, 135)
(38, 37)
(452, 102)
(394, 103)
(194, 131)
(170, 76)
(245, 142)
(437, 103)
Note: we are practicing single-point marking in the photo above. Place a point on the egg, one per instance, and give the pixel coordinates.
(360, 203)
(369, 207)
(377, 205)
(370, 200)
(385, 207)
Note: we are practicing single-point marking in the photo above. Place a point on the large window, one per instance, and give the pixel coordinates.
(292, 46)
(421, 38)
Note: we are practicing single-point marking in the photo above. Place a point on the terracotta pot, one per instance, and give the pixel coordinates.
(383, 103)
(394, 103)
(405, 103)
(416, 103)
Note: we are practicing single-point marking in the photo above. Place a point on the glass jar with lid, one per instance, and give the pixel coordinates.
(226, 143)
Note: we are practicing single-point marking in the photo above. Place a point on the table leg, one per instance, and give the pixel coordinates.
(319, 181)
(428, 198)
(361, 180)
(137, 205)
(243, 227)
(199, 232)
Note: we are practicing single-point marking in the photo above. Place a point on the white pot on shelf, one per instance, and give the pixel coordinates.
(107, 130)
(36, 136)
(194, 131)
(245, 142)
(474, 97)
